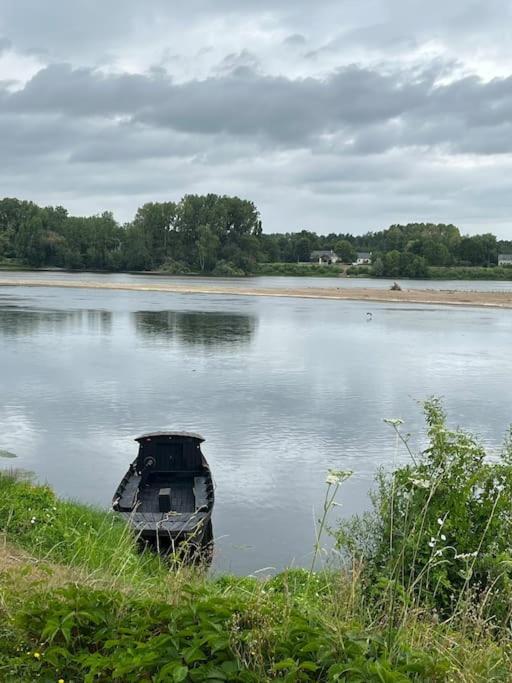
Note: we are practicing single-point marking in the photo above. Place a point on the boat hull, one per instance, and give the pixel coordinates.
(167, 494)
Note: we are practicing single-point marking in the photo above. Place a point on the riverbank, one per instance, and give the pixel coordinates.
(78, 602)
(409, 296)
(284, 269)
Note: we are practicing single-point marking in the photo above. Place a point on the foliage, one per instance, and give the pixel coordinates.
(299, 269)
(226, 269)
(198, 231)
(84, 634)
(219, 234)
(70, 533)
(471, 273)
(439, 534)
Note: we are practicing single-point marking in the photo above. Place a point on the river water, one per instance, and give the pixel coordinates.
(282, 390)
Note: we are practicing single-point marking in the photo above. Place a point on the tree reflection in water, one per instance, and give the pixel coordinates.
(205, 328)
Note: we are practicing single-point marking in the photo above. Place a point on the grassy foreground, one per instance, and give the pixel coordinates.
(423, 594)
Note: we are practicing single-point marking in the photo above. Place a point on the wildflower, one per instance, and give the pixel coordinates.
(466, 556)
(440, 521)
(443, 537)
(33, 520)
(337, 476)
(394, 422)
(420, 483)
(61, 680)
(37, 655)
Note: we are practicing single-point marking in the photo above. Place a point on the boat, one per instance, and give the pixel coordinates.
(167, 495)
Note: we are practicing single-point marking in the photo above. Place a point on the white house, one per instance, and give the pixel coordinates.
(364, 258)
(505, 259)
(325, 256)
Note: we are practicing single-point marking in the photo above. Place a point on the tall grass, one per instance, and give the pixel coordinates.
(72, 534)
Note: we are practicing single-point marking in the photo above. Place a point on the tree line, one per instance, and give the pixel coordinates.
(220, 235)
(208, 234)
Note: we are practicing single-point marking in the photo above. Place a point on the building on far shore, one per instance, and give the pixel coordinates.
(364, 258)
(505, 259)
(325, 256)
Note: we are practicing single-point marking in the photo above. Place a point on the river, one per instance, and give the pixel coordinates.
(281, 389)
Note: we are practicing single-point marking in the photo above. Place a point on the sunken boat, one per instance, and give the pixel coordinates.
(167, 495)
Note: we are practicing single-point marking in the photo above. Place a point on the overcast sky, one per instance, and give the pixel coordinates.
(343, 115)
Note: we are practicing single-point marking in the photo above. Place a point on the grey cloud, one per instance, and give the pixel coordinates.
(5, 44)
(239, 63)
(242, 103)
(374, 110)
(295, 39)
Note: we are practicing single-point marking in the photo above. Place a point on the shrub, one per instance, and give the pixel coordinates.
(227, 269)
(299, 269)
(87, 635)
(172, 267)
(360, 271)
(439, 534)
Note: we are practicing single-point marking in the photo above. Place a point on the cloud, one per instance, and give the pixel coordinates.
(342, 118)
(5, 44)
(295, 39)
(370, 110)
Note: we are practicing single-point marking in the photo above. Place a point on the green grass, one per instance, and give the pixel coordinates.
(72, 534)
(470, 273)
(78, 602)
(12, 264)
(299, 269)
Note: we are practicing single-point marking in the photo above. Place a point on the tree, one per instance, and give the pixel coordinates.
(345, 251)
(157, 220)
(392, 263)
(207, 246)
(378, 267)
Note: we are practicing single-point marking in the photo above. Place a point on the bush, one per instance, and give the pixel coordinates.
(439, 534)
(227, 269)
(171, 267)
(82, 634)
(360, 271)
(470, 273)
(299, 269)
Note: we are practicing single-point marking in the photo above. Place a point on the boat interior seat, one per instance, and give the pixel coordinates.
(164, 499)
(128, 499)
(200, 493)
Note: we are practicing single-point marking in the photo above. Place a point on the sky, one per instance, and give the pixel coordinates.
(334, 116)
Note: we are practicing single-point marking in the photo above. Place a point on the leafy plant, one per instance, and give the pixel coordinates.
(439, 534)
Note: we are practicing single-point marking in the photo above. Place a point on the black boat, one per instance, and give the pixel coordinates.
(167, 494)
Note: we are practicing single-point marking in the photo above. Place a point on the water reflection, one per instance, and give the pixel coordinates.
(18, 321)
(203, 328)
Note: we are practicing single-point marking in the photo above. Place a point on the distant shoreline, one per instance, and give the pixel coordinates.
(298, 270)
(408, 296)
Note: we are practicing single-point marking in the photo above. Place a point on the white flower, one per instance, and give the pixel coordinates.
(420, 483)
(440, 521)
(439, 552)
(395, 422)
(443, 537)
(337, 476)
(465, 556)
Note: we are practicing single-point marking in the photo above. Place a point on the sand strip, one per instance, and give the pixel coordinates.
(410, 296)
